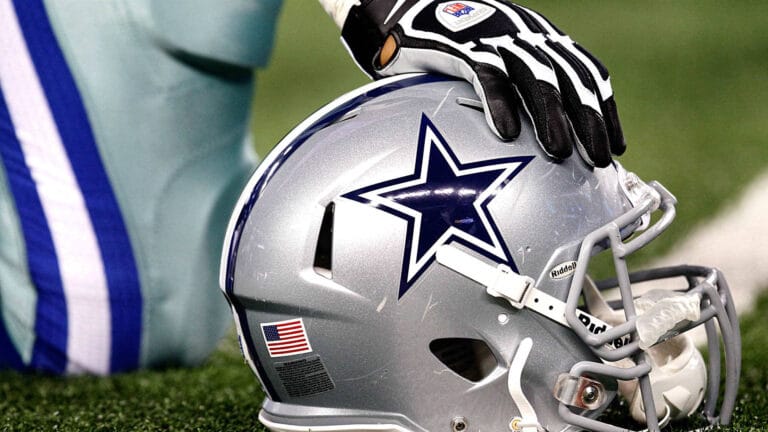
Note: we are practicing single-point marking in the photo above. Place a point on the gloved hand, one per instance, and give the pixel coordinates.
(508, 53)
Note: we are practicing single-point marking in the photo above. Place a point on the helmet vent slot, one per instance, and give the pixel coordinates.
(324, 247)
(469, 358)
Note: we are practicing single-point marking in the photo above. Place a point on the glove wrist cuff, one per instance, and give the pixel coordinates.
(339, 9)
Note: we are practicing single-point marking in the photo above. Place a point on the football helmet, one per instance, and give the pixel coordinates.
(393, 266)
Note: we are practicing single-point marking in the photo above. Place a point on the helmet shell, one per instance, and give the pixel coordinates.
(372, 331)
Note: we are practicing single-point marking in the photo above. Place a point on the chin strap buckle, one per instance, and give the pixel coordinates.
(511, 286)
(501, 282)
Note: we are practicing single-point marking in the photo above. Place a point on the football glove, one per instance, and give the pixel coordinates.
(513, 56)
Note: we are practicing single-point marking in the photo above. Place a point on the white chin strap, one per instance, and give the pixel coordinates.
(504, 283)
(678, 375)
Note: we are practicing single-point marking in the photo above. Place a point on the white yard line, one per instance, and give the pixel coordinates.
(735, 241)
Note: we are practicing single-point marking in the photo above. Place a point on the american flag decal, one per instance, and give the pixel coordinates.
(285, 338)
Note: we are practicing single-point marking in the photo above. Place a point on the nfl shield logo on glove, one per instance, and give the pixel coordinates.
(457, 16)
(458, 9)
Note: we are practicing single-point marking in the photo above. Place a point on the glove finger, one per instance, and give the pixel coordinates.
(607, 103)
(582, 107)
(579, 88)
(613, 125)
(542, 100)
(499, 100)
(590, 129)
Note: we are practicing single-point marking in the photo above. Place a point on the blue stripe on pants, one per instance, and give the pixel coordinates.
(49, 351)
(76, 134)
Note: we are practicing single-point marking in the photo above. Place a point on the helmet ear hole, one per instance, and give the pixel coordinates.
(471, 359)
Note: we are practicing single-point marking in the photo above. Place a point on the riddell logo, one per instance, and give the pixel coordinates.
(596, 327)
(562, 271)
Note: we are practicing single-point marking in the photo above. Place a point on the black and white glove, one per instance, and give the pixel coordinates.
(507, 52)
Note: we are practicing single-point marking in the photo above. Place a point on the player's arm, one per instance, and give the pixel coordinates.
(513, 56)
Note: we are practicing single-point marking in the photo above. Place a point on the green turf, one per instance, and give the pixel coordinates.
(218, 396)
(691, 79)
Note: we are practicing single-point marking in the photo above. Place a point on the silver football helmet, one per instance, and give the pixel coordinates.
(393, 266)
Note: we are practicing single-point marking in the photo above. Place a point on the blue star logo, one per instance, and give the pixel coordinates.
(444, 201)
